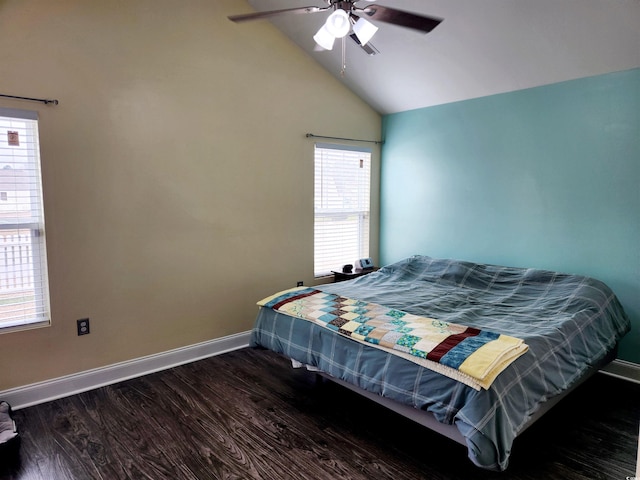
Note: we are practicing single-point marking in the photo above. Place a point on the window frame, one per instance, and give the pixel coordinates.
(364, 198)
(36, 256)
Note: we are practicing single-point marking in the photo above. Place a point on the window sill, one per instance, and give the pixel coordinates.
(25, 326)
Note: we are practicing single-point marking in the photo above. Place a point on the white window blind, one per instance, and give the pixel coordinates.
(342, 199)
(24, 288)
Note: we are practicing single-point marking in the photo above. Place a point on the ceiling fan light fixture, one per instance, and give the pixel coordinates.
(364, 30)
(338, 23)
(324, 38)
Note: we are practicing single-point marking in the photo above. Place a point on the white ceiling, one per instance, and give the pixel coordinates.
(482, 47)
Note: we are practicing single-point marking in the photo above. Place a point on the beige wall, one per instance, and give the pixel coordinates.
(177, 178)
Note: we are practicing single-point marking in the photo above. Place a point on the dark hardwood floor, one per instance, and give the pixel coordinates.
(248, 415)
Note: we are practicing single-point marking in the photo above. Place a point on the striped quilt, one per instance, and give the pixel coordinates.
(469, 355)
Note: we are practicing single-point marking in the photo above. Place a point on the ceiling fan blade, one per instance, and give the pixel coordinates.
(272, 13)
(368, 48)
(401, 18)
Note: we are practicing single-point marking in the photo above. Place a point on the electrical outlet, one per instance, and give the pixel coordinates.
(300, 284)
(83, 326)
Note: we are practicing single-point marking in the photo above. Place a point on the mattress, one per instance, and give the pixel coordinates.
(571, 324)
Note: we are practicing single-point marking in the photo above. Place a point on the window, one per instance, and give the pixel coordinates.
(24, 294)
(342, 185)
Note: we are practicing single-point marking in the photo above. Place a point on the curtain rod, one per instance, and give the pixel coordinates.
(311, 135)
(43, 100)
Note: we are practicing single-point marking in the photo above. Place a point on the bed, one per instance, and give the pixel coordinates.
(568, 326)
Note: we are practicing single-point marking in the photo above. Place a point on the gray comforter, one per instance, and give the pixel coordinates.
(570, 323)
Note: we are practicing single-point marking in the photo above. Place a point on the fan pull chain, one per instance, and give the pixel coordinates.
(344, 56)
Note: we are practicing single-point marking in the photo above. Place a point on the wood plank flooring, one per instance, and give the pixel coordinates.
(248, 415)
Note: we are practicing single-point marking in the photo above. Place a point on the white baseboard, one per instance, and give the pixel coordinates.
(624, 370)
(36, 393)
(53, 389)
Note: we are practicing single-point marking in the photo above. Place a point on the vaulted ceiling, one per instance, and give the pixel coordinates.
(482, 47)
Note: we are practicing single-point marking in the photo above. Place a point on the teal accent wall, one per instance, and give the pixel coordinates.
(547, 177)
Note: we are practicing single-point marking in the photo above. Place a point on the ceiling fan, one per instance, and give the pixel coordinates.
(349, 19)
